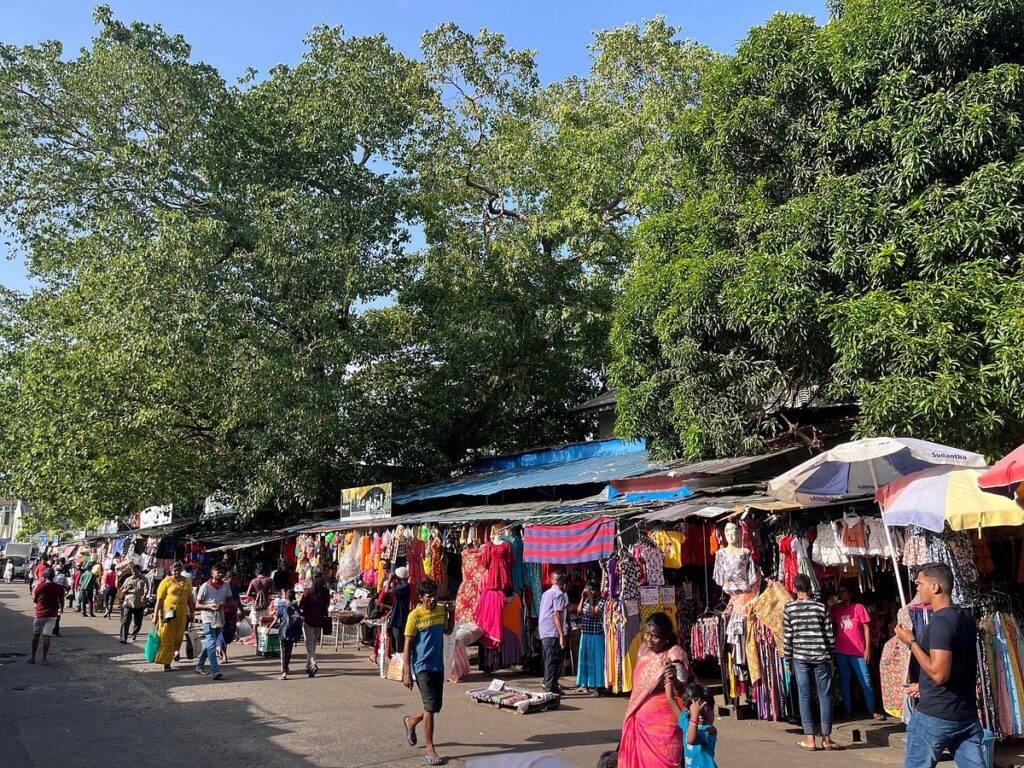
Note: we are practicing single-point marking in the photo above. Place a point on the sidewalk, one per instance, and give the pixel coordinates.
(101, 704)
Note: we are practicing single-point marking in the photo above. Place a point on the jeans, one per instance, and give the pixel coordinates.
(129, 616)
(286, 653)
(87, 595)
(814, 679)
(211, 635)
(928, 737)
(109, 593)
(855, 665)
(554, 655)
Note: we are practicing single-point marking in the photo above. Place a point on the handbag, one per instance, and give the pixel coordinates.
(152, 645)
(169, 614)
(395, 668)
(327, 627)
(190, 646)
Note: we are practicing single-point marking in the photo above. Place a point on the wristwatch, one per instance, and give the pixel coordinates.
(911, 643)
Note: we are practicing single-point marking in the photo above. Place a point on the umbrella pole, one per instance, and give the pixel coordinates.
(888, 538)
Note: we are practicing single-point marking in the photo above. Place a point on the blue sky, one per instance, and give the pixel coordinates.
(235, 34)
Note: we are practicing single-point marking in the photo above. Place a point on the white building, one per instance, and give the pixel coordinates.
(12, 512)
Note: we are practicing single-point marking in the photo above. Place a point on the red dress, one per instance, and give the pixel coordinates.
(497, 560)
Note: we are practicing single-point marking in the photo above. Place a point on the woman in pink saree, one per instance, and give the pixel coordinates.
(651, 737)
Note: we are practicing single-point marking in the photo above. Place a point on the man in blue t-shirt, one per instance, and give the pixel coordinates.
(946, 716)
(423, 658)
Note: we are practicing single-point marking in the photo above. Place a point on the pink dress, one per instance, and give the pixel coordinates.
(498, 562)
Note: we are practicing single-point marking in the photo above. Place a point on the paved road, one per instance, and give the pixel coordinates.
(100, 704)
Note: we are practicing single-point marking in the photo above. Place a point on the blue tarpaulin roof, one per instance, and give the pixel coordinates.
(597, 462)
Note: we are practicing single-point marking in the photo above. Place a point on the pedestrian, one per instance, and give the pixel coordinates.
(314, 605)
(132, 596)
(551, 627)
(590, 662)
(49, 601)
(853, 650)
(946, 715)
(9, 571)
(696, 721)
(423, 661)
(260, 591)
(402, 600)
(211, 599)
(650, 734)
(173, 614)
(109, 591)
(76, 586)
(87, 583)
(230, 618)
(97, 585)
(809, 642)
(61, 580)
(281, 577)
(289, 623)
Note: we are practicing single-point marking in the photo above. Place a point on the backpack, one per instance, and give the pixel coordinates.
(293, 629)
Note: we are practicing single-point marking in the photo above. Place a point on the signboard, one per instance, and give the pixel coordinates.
(368, 502)
(151, 516)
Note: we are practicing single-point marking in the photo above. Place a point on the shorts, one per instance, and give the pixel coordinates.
(431, 685)
(44, 626)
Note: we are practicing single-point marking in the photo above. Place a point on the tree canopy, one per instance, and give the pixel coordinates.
(373, 267)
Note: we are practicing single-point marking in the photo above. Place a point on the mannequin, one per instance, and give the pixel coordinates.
(497, 559)
(734, 565)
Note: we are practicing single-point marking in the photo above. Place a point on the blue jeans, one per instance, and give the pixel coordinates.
(855, 665)
(210, 637)
(928, 737)
(814, 679)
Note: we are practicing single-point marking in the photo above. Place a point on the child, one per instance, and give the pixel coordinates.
(697, 723)
(423, 658)
(289, 630)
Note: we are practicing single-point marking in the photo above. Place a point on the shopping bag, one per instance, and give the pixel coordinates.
(395, 668)
(152, 645)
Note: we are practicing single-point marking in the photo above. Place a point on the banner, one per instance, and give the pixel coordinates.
(367, 502)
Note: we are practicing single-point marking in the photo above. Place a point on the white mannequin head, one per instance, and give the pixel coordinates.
(732, 534)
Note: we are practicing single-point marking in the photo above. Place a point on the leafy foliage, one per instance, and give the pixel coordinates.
(847, 221)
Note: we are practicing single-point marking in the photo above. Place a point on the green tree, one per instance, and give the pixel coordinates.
(202, 250)
(844, 220)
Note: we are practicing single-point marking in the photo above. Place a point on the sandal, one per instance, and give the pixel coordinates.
(803, 745)
(428, 760)
(410, 734)
(201, 671)
(879, 716)
(832, 747)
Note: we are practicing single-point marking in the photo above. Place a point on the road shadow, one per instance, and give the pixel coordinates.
(98, 704)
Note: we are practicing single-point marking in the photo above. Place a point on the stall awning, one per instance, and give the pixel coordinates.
(713, 508)
(246, 542)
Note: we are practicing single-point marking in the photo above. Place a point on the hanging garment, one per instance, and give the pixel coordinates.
(734, 571)
(533, 582)
(855, 540)
(828, 549)
(630, 571)
(414, 561)
(497, 560)
(652, 560)
(518, 564)
(471, 587)
(488, 616)
(671, 545)
(582, 542)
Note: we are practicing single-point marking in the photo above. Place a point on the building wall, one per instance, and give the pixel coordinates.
(12, 512)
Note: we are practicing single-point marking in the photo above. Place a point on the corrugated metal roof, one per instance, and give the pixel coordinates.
(711, 507)
(597, 469)
(246, 541)
(606, 400)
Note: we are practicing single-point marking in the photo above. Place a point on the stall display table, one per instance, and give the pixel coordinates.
(517, 699)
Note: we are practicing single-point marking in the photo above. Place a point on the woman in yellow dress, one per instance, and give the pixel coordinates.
(173, 611)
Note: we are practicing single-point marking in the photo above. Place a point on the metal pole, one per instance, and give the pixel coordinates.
(888, 538)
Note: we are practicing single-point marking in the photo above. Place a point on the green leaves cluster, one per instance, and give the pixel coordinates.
(846, 221)
(369, 267)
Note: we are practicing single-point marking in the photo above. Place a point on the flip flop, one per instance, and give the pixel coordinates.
(803, 746)
(833, 747)
(410, 735)
(428, 760)
(201, 671)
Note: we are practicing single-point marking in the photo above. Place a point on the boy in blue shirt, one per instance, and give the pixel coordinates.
(697, 723)
(423, 658)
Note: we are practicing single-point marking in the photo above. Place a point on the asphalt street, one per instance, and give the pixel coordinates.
(101, 704)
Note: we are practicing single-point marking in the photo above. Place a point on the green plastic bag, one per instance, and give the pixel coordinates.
(152, 645)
